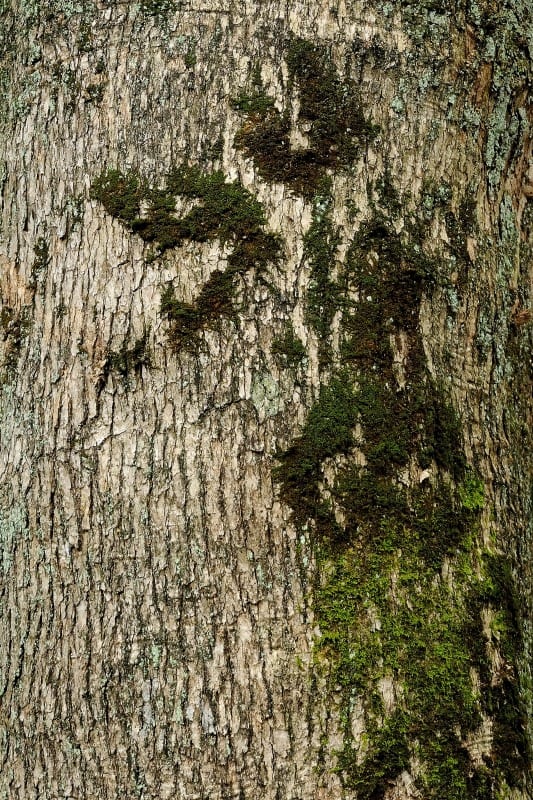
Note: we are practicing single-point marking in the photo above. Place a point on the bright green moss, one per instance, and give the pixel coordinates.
(472, 492)
(389, 572)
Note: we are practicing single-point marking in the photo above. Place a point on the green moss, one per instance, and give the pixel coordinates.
(472, 492)
(389, 275)
(331, 105)
(381, 543)
(190, 57)
(327, 432)
(129, 360)
(187, 319)
(386, 419)
(419, 642)
(320, 247)
(41, 250)
(256, 104)
(94, 93)
(288, 349)
(226, 211)
(119, 193)
(389, 198)
(157, 8)
(503, 699)
(389, 756)
(442, 439)
(330, 110)
(184, 318)
(14, 328)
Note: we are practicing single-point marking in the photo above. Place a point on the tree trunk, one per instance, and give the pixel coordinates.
(265, 416)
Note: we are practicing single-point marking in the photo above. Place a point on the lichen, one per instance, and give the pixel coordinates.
(265, 395)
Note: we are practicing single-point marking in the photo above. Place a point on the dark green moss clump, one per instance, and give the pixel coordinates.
(213, 302)
(14, 328)
(388, 758)
(327, 432)
(390, 275)
(320, 248)
(157, 8)
(331, 105)
(501, 698)
(129, 361)
(41, 251)
(120, 194)
(226, 211)
(330, 111)
(288, 349)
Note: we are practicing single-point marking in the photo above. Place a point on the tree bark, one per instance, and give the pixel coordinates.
(265, 434)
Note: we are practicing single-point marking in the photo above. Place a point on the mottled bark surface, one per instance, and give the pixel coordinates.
(158, 602)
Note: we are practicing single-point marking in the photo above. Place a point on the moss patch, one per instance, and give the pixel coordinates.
(41, 251)
(320, 248)
(13, 328)
(384, 542)
(288, 349)
(129, 361)
(226, 211)
(329, 113)
(186, 319)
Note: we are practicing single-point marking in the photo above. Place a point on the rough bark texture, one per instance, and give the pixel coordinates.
(166, 571)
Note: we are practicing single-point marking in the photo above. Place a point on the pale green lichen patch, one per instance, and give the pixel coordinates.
(265, 395)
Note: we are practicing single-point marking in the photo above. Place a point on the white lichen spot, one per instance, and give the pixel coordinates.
(265, 395)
